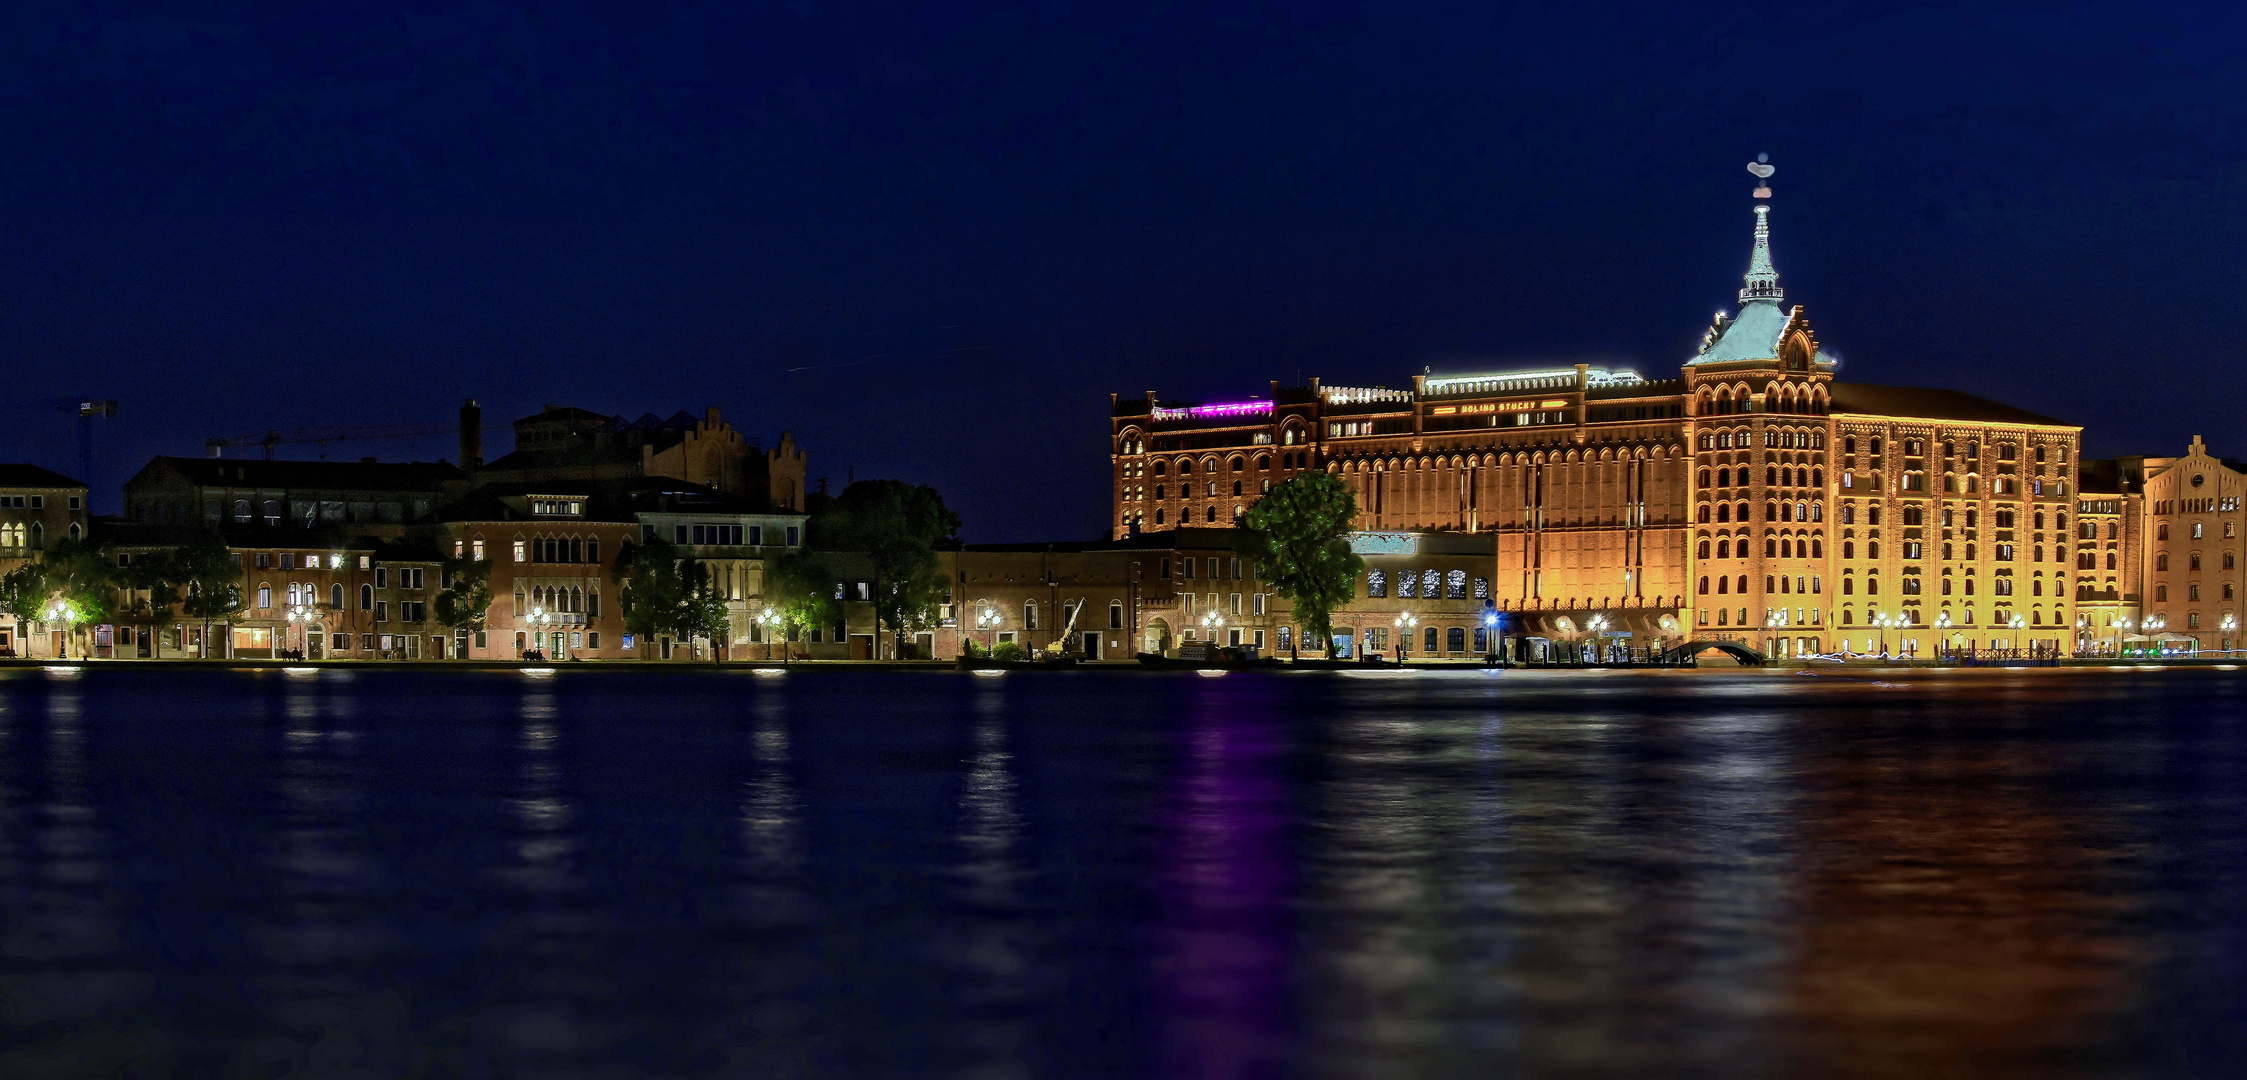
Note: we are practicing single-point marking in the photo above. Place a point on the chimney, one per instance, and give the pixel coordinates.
(471, 434)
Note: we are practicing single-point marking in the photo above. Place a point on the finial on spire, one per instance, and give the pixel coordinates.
(1762, 171)
(1762, 281)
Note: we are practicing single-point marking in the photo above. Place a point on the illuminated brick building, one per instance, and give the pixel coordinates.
(1752, 497)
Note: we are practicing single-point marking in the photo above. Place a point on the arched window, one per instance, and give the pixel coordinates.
(1236, 487)
(1722, 583)
(2161, 561)
(1185, 467)
(1029, 614)
(1770, 547)
(366, 598)
(1702, 515)
(1162, 468)
(1431, 584)
(1158, 515)
(1724, 549)
(1724, 512)
(1704, 590)
(1455, 585)
(74, 530)
(1701, 551)
(1701, 479)
(1817, 548)
(1848, 586)
(1211, 515)
(1743, 588)
(1849, 444)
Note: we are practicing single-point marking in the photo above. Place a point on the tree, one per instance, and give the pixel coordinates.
(23, 593)
(701, 607)
(465, 602)
(80, 580)
(650, 591)
(1299, 532)
(205, 568)
(150, 572)
(897, 527)
(801, 586)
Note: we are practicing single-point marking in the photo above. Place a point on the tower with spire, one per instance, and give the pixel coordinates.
(1762, 357)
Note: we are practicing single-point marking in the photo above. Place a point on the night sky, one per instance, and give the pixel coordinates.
(931, 239)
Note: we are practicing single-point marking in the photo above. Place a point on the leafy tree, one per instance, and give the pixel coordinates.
(23, 593)
(651, 591)
(898, 527)
(702, 608)
(801, 586)
(466, 602)
(150, 572)
(80, 580)
(1299, 531)
(205, 568)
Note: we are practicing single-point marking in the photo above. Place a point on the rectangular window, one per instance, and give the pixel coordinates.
(476, 550)
(264, 597)
(795, 534)
(1257, 604)
(38, 502)
(1186, 569)
(382, 577)
(593, 605)
(342, 642)
(1236, 607)
(520, 555)
(678, 534)
(593, 639)
(382, 611)
(482, 643)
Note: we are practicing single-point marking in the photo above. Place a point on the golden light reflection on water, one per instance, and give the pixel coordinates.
(1952, 923)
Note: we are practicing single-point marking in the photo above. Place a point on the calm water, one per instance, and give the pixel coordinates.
(391, 873)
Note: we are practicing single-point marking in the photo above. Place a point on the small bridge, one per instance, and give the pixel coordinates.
(1746, 656)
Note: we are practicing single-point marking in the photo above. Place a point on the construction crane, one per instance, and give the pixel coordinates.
(87, 410)
(323, 435)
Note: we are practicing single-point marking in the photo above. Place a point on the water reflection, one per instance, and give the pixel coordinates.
(1955, 918)
(992, 944)
(1224, 948)
(325, 930)
(67, 973)
(555, 1005)
(768, 1021)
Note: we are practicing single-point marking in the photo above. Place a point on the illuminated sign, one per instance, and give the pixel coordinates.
(1497, 407)
(1384, 543)
(1199, 412)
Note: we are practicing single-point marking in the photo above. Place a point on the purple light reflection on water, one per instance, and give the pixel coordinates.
(1224, 946)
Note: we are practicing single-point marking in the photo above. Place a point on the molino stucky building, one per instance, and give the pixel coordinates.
(1753, 496)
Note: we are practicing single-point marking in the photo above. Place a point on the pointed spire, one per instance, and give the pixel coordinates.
(1762, 281)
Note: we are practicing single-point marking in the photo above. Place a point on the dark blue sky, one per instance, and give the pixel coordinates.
(932, 238)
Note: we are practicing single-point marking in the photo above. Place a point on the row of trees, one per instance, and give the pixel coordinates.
(76, 584)
(883, 532)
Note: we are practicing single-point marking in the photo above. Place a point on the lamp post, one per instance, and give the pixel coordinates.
(2230, 623)
(771, 622)
(2121, 628)
(1405, 623)
(1212, 622)
(1943, 631)
(1883, 621)
(57, 611)
(300, 618)
(2015, 625)
(1597, 627)
(1492, 653)
(539, 619)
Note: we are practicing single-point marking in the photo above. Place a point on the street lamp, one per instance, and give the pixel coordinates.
(1884, 621)
(1597, 627)
(1212, 622)
(301, 616)
(539, 619)
(1405, 622)
(772, 623)
(1490, 639)
(2230, 623)
(58, 611)
(987, 618)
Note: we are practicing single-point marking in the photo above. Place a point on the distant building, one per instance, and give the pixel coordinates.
(1752, 497)
(568, 443)
(272, 498)
(2193, 532)
(37, 507)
